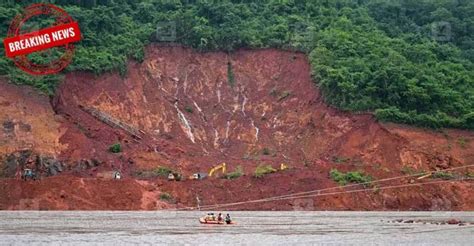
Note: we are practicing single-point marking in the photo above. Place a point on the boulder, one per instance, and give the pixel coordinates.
(453, 221)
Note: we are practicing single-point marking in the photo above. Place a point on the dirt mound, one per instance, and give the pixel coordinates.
(189, 111)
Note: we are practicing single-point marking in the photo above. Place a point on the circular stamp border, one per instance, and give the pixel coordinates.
(61, 17)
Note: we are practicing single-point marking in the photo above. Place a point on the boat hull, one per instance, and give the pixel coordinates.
(213, 222)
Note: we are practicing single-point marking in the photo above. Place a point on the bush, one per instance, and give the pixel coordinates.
(266, 151)
(189, 109)
(115, 148)
(350, 177)
(442, 175)
(284, 95)
(262, 170)
(237, 173)
(165, 196)
(340, 159)
(462, 142)
(411, 171)
(162, 171)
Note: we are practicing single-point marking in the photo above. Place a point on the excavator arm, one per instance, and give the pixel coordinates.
(216, 168)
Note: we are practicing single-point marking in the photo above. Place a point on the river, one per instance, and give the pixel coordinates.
(251, 228)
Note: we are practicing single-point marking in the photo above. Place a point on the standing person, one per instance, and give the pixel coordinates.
(219, 217)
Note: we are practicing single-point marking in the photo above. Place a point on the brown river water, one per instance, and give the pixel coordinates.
(251, 228)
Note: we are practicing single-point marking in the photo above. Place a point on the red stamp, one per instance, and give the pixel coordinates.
(60, 35)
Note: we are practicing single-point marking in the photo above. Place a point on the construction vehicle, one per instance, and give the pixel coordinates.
(174, 176)
(218, 167)
(29, 174)
(109, 175)
(198, 176)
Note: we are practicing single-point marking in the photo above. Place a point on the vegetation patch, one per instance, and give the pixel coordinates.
(443, 175)
(340, 159)
(462, 141)
(164, 196)
(411, 171)
(284, 95)
(230, 74)
(365, 55)
(162, 171)
(263, 170)
(189, 109)
(115, 148)
(266, 151)
(350, 177)
(237, 173)
(157, 172)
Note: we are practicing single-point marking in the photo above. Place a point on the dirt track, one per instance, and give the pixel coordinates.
(189, 115)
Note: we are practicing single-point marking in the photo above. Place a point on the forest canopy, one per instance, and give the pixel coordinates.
(407, 61)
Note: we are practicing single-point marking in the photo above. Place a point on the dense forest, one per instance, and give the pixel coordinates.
(407, 61)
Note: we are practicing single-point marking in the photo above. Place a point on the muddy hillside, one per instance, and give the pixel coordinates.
(185, 112)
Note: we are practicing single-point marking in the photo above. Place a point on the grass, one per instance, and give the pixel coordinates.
(284, 95)
(340, 159)
(349, 177)
(263, 170)
(115, 148)
(462, 142)
(411, 171)
(157, 172)
(189, 109)
(470, 175)
(266, 151)
(162, 171)
(442, 175)
(164, 196)
(237, 173)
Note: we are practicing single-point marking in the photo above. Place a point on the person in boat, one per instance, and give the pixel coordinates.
(228, 219)
(219, 217)
(210, 216)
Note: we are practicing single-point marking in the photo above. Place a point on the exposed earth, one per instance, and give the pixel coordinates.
(189, 111)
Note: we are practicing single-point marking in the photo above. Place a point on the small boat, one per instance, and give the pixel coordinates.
(215, 222)
(211, 219)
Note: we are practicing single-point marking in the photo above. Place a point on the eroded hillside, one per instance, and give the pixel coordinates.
(189, 111)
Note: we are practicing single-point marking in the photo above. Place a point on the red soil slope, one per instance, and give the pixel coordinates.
(183, 110)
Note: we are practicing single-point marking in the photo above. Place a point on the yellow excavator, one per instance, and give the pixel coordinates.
(218, 167)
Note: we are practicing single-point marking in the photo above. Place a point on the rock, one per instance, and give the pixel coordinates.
(63, 194)
(453, 221)
(25, 127)
(8, 126)
(391, 202)
(150, 188)
(52, 171)
(59, 167)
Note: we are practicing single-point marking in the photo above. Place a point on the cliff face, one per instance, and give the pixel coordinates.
(190, 111)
